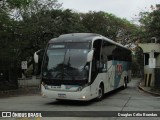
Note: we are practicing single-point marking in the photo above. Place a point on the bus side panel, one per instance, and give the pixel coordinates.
(107, 78)
(110, 77)
(122, 70)
(113, 78)
(95, 85)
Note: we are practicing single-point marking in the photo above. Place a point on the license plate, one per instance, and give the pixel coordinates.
(60, 95)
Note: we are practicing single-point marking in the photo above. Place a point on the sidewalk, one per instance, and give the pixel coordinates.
(27, 86)
(149, 90)
(20, 91)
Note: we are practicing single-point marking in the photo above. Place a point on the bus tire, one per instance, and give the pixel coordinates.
(100, 92)
(125, 83)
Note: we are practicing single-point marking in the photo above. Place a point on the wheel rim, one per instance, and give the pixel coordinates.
(100, 93)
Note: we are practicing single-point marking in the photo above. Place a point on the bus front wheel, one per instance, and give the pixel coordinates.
(100, 93)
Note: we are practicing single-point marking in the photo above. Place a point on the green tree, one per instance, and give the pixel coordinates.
(108, 25)
(18, 33)
(27, 25)
(150, 24)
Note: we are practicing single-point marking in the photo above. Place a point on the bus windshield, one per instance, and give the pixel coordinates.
(66, 61)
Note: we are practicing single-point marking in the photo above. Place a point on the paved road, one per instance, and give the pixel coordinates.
(130, 99)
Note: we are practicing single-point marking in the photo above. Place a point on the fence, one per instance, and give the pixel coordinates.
(29, 82)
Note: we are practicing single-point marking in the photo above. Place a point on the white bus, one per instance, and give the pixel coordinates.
(84, 66)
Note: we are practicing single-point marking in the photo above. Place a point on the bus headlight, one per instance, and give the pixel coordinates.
(83, 97)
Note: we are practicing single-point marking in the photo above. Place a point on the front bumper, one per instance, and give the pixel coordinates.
(83, 95)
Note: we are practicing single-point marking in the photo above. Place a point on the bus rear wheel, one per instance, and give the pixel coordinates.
(100, 93)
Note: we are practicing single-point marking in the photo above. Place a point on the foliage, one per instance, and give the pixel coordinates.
(148, 30)
(150, 24)
(27, 25)
(108, 25)
(18, 3)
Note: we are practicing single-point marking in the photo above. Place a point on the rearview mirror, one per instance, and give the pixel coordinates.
(38, 54)
(90, 56)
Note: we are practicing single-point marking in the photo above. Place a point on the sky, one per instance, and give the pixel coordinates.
(128, 9)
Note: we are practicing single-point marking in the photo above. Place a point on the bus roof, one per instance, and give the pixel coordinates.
(75, 37)
(82, 37)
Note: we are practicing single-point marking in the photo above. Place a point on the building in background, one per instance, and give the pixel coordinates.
(151, 64)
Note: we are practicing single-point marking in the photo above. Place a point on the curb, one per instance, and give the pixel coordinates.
(153, 93)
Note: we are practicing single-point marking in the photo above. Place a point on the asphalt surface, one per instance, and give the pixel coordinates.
(131, 99)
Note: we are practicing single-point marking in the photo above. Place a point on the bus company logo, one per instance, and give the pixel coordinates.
(6, 114)
(119, 69)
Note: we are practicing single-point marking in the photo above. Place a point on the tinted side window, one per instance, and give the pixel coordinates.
(121, 54)
(107, 49)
